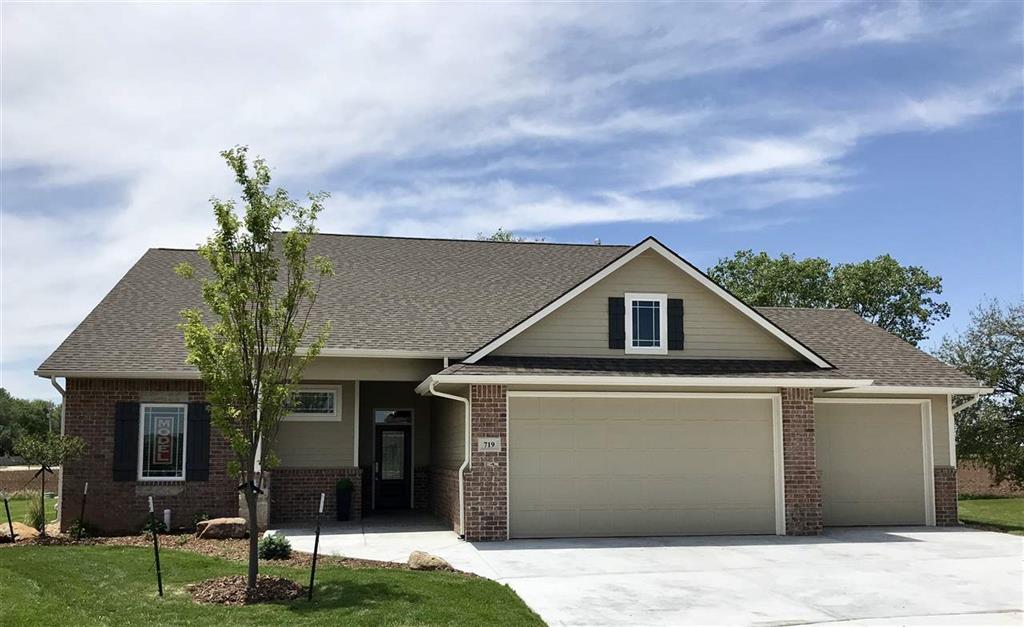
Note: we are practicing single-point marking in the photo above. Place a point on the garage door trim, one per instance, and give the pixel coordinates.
(778, 470)
(927, 445)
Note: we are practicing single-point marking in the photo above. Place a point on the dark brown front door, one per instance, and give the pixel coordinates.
(393, 475)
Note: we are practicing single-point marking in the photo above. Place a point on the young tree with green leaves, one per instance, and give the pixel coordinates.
(991, 350)
(260, 288)
(48, 451)
(898, 298)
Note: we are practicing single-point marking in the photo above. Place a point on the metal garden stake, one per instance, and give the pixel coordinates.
(316, 546)
(156, 549)
(10, 525)
(81, 514)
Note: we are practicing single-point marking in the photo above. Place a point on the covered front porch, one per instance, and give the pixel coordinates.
(376, 434)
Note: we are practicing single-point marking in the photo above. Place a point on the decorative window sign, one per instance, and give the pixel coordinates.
(488, 445)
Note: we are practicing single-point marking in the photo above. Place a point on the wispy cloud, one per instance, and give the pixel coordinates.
(446, 119)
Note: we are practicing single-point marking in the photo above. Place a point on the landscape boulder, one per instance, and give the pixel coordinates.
(222, 528)
(21, 530)
(421, 560)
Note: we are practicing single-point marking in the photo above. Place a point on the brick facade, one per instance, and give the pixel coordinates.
(122, 506)
(803, 489)
(295, 493)
(946, 514)
(444, 495)
(486, 481)
(421, 488)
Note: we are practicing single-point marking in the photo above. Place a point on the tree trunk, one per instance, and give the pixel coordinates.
(42, 501)
(254, 554)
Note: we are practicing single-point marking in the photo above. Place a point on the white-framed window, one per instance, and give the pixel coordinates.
(647, 323)
(163, 429)
(316, 403)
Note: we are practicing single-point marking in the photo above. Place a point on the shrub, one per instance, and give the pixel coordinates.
(275, 548)
(79, 528)
(154, 524)
(35, 515)
(345, 485)
(199, 517)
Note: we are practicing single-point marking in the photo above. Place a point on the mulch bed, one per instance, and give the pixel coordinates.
(233, 591)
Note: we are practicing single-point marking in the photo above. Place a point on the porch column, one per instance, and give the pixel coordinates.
(803, 488)
(486, 497)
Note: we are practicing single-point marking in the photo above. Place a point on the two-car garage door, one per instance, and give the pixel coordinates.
(641, 465)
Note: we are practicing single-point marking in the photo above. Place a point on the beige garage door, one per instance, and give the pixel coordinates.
(871, 463)
(612, 466)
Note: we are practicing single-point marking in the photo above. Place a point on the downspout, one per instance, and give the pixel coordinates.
(465, 461)
(60, 477)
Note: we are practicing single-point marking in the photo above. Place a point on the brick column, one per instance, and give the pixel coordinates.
(803, 489)
(487, 478)
(946, 514)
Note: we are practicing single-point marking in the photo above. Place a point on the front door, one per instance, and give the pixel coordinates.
(393, 474)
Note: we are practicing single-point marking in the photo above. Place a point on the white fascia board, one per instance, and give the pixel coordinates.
(640, 381)
(908, 389)
(652, 244)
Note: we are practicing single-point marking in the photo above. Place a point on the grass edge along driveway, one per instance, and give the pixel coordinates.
(113, 585)
(1003, 513)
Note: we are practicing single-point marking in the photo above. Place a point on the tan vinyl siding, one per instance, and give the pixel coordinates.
(372, 369)
(448, 427)
(309, 444)
(713, 328)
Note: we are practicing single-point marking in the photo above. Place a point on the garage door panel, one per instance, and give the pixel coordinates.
(870, 460)
(642, 467)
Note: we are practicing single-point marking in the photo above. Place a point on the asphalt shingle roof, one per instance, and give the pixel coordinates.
(454, 296)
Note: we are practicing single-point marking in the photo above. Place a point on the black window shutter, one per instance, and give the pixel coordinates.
(126, 441)
(675, 324)
(616, 323)
(197, 466)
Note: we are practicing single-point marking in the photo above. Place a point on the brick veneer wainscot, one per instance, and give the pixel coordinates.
(122, 506)
(803, 488)
(444, 495)
(486, 481)
(946, 514)
(295, 493)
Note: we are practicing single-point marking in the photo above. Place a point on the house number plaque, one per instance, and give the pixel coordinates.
(488, 445)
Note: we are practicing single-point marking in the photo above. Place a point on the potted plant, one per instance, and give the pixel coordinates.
(343, 494)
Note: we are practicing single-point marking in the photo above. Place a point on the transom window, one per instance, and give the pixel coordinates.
(646, 323)
(315, 403)
(162, 442)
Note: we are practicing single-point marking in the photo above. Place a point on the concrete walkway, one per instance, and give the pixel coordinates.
(859, 576)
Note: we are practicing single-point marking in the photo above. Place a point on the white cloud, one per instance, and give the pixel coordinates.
(428, 119)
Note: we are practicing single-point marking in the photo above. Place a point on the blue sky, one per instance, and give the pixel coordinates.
(836, 130)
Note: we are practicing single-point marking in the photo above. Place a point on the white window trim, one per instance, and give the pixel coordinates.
(662, 348)
(142, 438)
(332, 417)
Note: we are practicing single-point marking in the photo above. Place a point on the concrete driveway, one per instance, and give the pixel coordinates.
(862, 576)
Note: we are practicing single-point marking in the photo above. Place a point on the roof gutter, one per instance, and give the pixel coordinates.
(641, 381)
(468, 450)
(60, 475)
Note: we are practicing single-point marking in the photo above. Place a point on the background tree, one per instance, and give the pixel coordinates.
(260, 296)
(48, 451)
(20, 417)
(898, 298)
(991, 432)
(501, 235)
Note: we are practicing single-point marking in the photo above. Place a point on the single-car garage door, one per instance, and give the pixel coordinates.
(871, 460)
(640, 465)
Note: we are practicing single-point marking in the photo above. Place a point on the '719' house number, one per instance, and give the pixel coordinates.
(488, 445)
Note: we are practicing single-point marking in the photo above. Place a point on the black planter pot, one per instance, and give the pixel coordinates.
(344, 501)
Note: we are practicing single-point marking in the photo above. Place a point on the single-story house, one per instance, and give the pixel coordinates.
(527, 390)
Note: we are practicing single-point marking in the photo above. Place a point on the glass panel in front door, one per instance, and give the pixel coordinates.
(392, 463)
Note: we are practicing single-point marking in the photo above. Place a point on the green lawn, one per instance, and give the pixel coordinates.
(111, 585)
(1004, 513)
(19, 506)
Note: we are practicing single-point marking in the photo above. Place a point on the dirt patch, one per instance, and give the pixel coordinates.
(233, 591)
